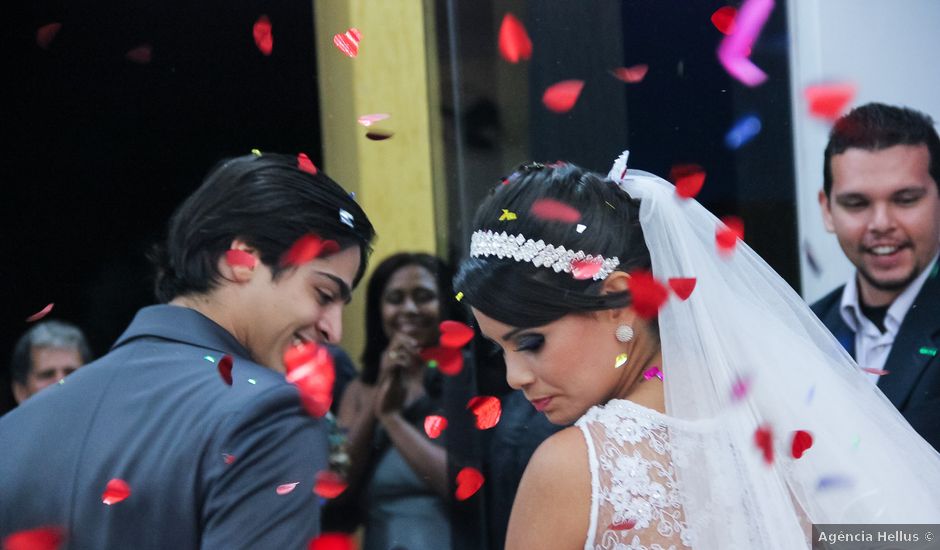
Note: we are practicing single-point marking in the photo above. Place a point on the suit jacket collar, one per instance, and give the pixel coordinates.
(836, 324)
(181, 324)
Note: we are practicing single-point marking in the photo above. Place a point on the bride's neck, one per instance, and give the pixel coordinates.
(647, 391)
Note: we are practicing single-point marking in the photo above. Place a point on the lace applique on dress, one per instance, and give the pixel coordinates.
(635, 501)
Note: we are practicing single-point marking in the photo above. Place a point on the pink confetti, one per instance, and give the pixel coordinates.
(46, 34)
(369, 120)
(514, 42)
(653, 372)
(42, 538)
(631, 75)
(434, 424)
(469, 481)
(487, 410)
(348, 42)
(623, 525)
(740, 388)
(141, 54)
(455, 334)
(286, 488)
(586, 269)
(116, 491)
(235, 258)
(261, 31)
(40, 314)
(879, 372)
(735, 48)
(561, 97)
(552, 210)
(329, 484)
(227, 458)
(828, 101)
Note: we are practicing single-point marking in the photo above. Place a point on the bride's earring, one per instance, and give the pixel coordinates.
(624, 333)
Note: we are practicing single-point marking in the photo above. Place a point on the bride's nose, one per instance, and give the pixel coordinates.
(518, 375)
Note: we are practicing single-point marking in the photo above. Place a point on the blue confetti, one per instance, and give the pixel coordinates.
(743, 131)
(833, 482)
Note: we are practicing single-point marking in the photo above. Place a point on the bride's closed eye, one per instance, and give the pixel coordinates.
(530, 342)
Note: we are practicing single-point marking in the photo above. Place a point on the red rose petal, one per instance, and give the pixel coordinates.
(802, 440)
(763, 438)
(286, 488)
(46, 34)
(585, 269)
(727, 235)
(40, 314)
(828, 101)
(236, 257)
(623, 525)
(682, 286)
(455, 334)
(561, 97)
(310, 369)
(333, 541)
(449, 360)
(348, 42)
(42, 538)
(723, 19)
(434, 424)
(140, 55)
(329, 484)
(514, 41)
(469, 481)
(648, 294)
(552, 210)
(487, 409)
(261, 31)
(305, 164)
(225, 369)
(688, 179)
(116, 491)
(227, 458)
(307, 248)
(631, 75)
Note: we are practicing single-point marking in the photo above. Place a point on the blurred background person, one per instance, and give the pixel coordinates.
(45, 354)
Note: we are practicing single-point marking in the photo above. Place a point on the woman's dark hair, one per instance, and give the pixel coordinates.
(268, 202)
(520, 294)
(376, 339)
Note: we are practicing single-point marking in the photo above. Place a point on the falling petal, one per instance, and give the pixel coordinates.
(311, 370)
(631, 75)
(46, 34)
(723, 19)
(763, 438)
(42, 538)
(227, 458)
(653, 372)
(369, 120)
(225, 369)
(261, 31)
(688, 179)
(682, 286)
(449, 360)
(308, 248)
(879, 372)
(329, 484)
(455, 334)
(728, 234)
(802, 440)
(141, 54)
(286, 488)
(620, 360)
(740, 388)
(734, 50)
(487, 410)
(348, 42)
(552, 210)
(305, 164)
(469, 481)
(235, 257)
(333, 541)
(648, 294)
(40, 314)
(623, 525)
(514, 42)
(116, 491)
(828, 101)
(434, 424)
(586, 268)
(561, 97)
(744, 130)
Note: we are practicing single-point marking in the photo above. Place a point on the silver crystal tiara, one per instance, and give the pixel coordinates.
(520, 249)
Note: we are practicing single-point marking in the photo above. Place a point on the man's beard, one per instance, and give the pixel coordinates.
(889, 286)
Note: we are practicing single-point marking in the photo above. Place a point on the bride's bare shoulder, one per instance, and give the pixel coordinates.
(552, 506)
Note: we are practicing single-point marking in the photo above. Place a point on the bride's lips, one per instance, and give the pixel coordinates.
(541, 404)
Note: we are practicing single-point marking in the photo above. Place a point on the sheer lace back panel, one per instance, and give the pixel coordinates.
(635, 497)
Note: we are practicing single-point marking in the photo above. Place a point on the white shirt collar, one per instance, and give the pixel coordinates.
(852, 312)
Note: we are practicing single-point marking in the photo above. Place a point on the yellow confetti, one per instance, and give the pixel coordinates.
(459, 296)
(621, 360)
(507, 215)
(256, 152)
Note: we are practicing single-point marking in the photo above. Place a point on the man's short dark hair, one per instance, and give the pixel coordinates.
(269, 203)
(876, 126)
(47, 334)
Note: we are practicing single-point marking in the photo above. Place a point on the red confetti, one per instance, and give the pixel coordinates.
(46, 34)
(561, 97)
(379, 135)
(552, 210)
(348, 42)
(116, 491)
(514, 42)
(631, 75)
(42, 538)
(469, 481)
(828, 101)
(310, 368)
(623, 525)
(648, 294)
(329, 484)
(287, 488)
(236, 258)
(688, 179)
(764, 440)
(879, 372)
(802, 440)
(333, 541)
(40, 314)
(140, 55)
(261, 31)
(305, 164)
(455, 334)
(727, 235)
(307, 248)
(487, 409)
(682, 286)
(723, 19)
(227, 458)
(449, 360)
(434, 424)
(586, 269)
(225, 369)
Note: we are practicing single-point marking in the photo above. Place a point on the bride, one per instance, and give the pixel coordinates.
(712, 410)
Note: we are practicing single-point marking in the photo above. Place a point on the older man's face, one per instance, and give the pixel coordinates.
(49, 365)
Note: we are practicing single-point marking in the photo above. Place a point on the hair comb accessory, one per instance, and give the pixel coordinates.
(521, 249)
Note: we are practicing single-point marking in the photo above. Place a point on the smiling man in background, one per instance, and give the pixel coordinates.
(881, 178)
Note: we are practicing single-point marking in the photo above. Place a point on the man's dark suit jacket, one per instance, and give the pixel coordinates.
(913, 364)
(203, 459)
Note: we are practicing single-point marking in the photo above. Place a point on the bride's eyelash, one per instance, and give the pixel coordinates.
(530, 342)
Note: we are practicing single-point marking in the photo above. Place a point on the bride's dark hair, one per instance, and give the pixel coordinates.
(523, 295)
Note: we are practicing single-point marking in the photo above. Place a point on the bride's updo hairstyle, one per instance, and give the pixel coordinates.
(520, 294)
